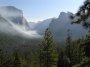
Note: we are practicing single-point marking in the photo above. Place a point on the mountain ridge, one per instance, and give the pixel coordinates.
(58, 26)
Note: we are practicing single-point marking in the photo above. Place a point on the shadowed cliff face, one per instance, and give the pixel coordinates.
(14, 15)
(60, 25)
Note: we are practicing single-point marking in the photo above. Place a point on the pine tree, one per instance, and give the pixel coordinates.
(17, 62)
(47, 52)
(1, 58)
(5, 60)
(69, 47)
(84, 13)
(33, 59)
(84, 47)
(83, 60)
(40, 55)
(62, 60)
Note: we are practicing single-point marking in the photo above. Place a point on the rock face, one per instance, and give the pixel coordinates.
(60, 25)
(41, 26)
(13, 15)
(12, 20)
(14, 30)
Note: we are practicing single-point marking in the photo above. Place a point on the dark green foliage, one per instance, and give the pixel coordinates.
(84, 13)
(5, 61)
(47, 52)
(2, 60)
(63, 60)
(17, 61)
(83, 58)
(68, 49)
(75, 54)
(83, 45)
(32, 59)
(68, 44)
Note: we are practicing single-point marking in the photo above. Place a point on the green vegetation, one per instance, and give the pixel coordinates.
(75, 54)
(48, 54)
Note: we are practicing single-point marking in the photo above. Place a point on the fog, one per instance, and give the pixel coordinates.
(9, 27)
(14, 29)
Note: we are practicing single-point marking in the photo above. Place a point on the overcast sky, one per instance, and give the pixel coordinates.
(36, 10)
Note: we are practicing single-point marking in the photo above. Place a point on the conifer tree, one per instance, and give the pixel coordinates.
(5, 61)
(1, 58)
(47, 52)
(69, 49)
(62, 60)
(33, 59)
(82, 55)
(85, 52)
(17, 62)
(83, 13)
(83, 47)
(68, 44)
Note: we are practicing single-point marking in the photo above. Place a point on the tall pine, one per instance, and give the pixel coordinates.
(2, 60)
(17, 61)
(68, 50)
(83, 14)
(47, 52)
(68, 44)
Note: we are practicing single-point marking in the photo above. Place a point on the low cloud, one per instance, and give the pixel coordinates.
(13, 29)
(9, 27)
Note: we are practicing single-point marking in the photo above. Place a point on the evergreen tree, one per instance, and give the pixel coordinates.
(17, 62)
(84, 47)
(83, 58)
(60, 59)
(85, 61)
(68, 45)
(83, 14)
(33, 59)
(2, 60)
(47, 52)
(69, 49)
(5, 60)
(63, 60)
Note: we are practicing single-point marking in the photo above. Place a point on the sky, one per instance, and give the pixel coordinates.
(37, 10)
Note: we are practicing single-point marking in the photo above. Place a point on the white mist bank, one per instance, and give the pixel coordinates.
(26, 33)
(9, 13)
(13, 29)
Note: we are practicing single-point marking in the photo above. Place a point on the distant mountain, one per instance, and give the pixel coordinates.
(32, 25)
(15, 31)
(40, 26)
(60, 25)
(13, 15)
(20, 33)
(13, 21)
